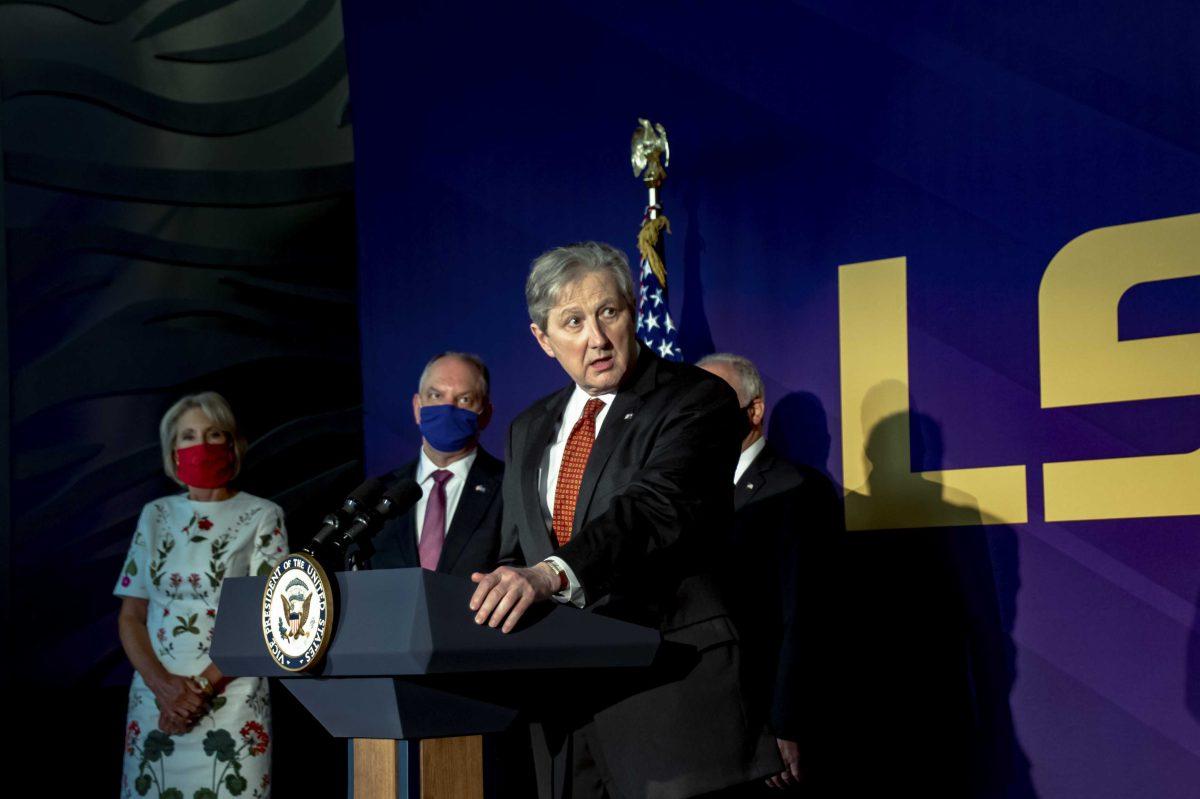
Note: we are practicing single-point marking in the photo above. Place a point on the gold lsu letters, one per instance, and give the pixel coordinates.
(1082, 363)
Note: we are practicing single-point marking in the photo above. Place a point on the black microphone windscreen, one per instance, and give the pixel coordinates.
(366, 492)
(401, 495)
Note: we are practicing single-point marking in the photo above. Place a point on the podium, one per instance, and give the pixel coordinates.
(407, 662)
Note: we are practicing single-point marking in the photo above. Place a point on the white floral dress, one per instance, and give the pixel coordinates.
(181, 552)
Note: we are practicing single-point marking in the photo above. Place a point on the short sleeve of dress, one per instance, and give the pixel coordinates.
(134, 579)
(270, 541)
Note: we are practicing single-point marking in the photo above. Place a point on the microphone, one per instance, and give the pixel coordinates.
(396, 499)
(364, 520)
(343, 516)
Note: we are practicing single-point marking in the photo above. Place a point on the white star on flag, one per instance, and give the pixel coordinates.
(670, 324)
(657, 297)
(651, 321)
(665, 350)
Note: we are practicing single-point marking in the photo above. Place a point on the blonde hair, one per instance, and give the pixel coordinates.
(214, 407)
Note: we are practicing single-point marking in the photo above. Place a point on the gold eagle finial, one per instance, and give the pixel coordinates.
(649, 145)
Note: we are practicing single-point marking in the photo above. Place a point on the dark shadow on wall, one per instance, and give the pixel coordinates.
(799, 430)
(936, 663)
(925, 660)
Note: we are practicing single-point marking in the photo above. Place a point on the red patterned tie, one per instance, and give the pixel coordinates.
(570, 472)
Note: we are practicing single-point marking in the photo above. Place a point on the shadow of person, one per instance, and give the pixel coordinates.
(927, 651)
(799, 431)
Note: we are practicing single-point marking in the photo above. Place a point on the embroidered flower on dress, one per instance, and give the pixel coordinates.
(194, 579)
(162, 634)
(131, 735)
(204, 523)
(125, 581)
(210, 613)
(176, 579)
(256, 737)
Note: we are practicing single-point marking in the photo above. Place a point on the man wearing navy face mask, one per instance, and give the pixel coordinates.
(455, 527)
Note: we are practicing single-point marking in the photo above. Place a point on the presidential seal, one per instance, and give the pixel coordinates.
(297, 612)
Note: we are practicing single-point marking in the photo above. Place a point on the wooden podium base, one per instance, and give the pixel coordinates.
(450, 768)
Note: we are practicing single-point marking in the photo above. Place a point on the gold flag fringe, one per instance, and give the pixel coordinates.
(647, 243)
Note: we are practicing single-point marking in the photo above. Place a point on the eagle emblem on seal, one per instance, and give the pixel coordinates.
(297, 612)
(296, 604)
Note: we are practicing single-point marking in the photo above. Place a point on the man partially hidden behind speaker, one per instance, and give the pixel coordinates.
(785, 516)
(617, 490)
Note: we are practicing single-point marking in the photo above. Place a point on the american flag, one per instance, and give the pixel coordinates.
(655, 327)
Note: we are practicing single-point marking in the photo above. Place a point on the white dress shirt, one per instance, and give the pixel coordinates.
(548, 476)
(747, 457)
(454, 486)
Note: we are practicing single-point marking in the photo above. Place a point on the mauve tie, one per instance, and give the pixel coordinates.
(433, 532)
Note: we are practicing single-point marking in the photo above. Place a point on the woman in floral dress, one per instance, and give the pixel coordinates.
(192, 732)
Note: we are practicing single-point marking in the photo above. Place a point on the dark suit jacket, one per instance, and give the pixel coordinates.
(785, 518)
(654, 504)
(473, 540)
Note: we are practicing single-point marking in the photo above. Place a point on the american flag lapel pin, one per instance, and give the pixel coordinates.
(629, 416)
(481, 488)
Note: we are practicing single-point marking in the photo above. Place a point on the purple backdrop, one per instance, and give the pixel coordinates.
(974, 141)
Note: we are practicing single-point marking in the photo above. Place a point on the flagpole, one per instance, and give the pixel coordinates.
(649, 154)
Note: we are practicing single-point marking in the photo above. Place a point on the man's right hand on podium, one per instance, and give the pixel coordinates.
(502, 596)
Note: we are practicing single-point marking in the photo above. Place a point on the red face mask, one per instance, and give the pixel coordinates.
(205, 465)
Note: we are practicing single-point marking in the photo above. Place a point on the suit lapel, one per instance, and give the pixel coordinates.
(477, 494)
(541, 430)
(616, 424)
(406, 529)
(754, 480)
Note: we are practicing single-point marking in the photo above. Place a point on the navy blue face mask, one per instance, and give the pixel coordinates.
(448, 428)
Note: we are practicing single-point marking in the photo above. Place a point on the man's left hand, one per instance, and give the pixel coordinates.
(504, 595)
(791, 776)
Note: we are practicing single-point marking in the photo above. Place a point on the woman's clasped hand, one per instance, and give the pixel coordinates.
(181, 703)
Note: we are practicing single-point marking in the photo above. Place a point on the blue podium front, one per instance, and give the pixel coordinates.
(407, 661)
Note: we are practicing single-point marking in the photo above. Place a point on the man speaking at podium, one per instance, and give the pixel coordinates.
(616, 490)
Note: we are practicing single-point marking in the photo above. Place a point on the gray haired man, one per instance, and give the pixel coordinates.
(616, 494)
(781, 514)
